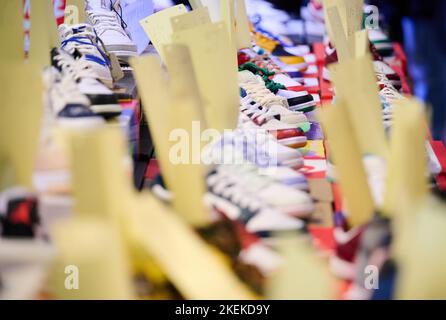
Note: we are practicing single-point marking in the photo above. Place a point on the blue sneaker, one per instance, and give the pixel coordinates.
(83, 39)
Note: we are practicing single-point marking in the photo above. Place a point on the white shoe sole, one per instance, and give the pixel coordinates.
(293, 163)
(106, 108)
(290, 142)
(80, 123)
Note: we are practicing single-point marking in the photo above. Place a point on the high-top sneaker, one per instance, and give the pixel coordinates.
(82, 37)
(102, 100)
(106, 18)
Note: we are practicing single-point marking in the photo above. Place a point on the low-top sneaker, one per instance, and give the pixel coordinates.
(102, 100)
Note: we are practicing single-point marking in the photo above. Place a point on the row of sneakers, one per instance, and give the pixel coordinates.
(255, 179)
(80, 81)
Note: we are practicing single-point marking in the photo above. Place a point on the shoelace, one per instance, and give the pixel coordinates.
(77, 69)
(384, 81)
(257, 91)
(105, 21)
(63, 86)
(225, 186)
(113, 7)
(78, 43)
(264, 74)
(391, 95)
(257, 113)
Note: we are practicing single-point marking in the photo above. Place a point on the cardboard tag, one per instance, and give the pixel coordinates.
(303, 275)
(186, 116)
(350, 14)
(74, 11)
(171, 107)
(43, 34)
(340, 5)
(242, 25)
(145, 223)
(406, 184)
(227, 12)
(338, 37)
(172, 243)
(20, 117)
(348, 161)
(213, 55)
(424, 261)
(214, 7)
(159, 28)
(354, 13)
(95, 266)
(116, 69)
(361, 43)
(355, 83)
(191, 19)
(12, 31)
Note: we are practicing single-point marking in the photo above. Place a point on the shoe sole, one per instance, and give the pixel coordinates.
(304, 107)
(300, 211)
(106, 110)
(295, 142)
(80, 123)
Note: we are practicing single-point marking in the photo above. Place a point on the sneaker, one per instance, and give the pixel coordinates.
(18, 213)
(103, 102)
(229, 199)
(287, 200)
(381, 42)
(82, 37)
(65, 102)
(285, 134)
(313, 12)
(106, 18)
(383, 68)
(255, 146)
(384, 82)
(390, 96)
(300, 101)
(261, 104)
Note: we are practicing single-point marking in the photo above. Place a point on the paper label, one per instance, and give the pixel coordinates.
(355, 82)
(348, 161)
(158, 26)
(191, 19)
(212, 55)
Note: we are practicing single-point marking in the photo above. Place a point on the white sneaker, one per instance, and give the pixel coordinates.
(261, 105)
(106, 18)
(102, 100)
(287, 200)
(65, 103)
(82, 37)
